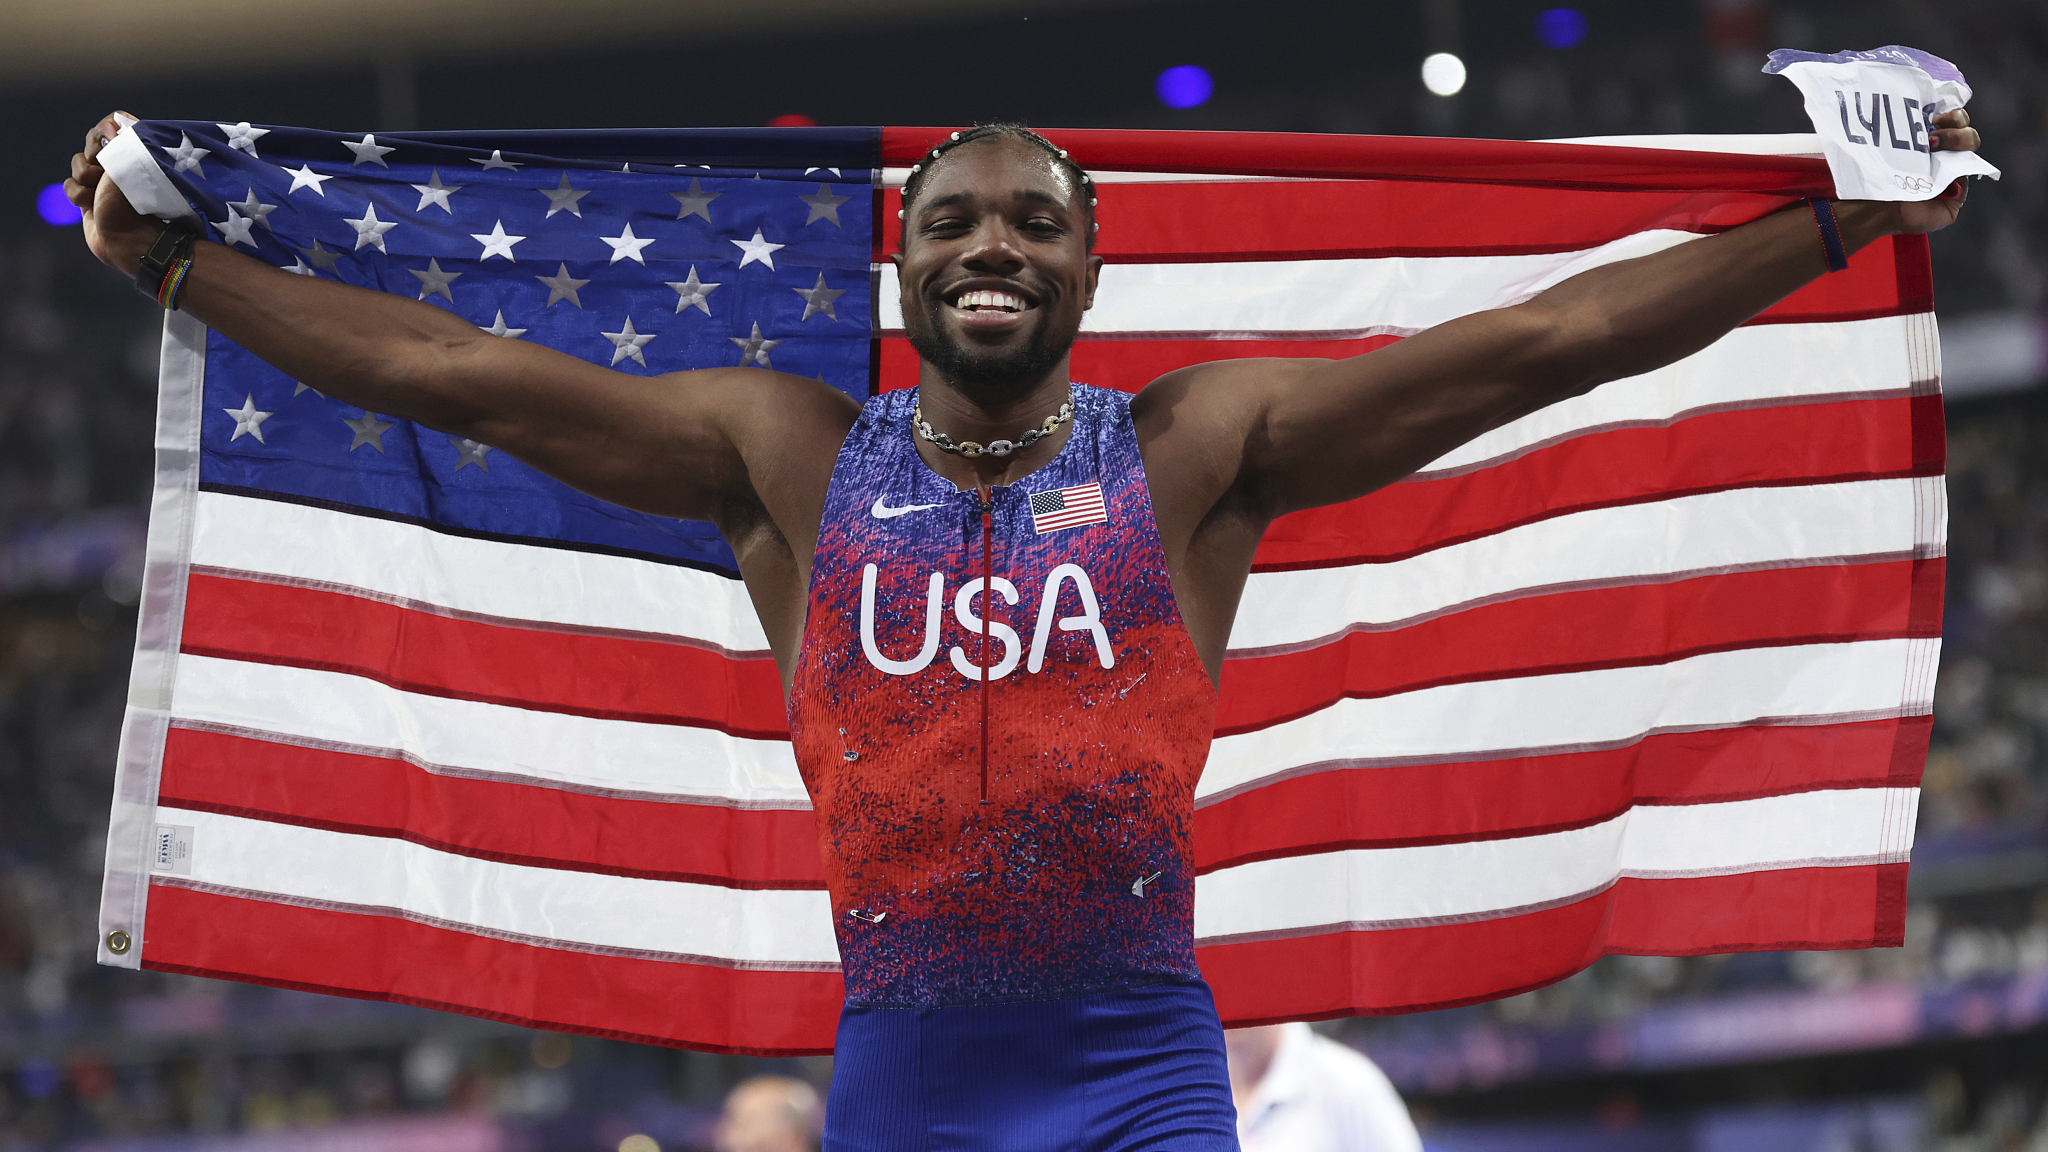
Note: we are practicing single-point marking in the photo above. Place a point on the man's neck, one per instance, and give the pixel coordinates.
(968, 414)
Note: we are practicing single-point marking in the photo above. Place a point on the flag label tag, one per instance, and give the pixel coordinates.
(172, 849)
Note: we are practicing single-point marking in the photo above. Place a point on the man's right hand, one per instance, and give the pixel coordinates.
(114, 230)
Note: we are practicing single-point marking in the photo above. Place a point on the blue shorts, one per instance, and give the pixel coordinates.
(1134, 1070)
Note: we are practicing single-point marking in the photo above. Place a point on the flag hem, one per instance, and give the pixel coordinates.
(167, 552)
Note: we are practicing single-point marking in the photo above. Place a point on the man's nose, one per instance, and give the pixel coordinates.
(993, 248)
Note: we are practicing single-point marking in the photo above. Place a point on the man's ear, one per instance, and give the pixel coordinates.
(1094, 278)
(898, 258)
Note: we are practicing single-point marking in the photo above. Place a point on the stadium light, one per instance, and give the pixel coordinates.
(1443, 74)
(1560, 27)
(1187, 86)
(55, 208)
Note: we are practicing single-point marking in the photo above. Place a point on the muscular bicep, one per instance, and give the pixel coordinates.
(674, 444)
(1325, 431)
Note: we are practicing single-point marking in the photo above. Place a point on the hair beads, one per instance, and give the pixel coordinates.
(1083, 186)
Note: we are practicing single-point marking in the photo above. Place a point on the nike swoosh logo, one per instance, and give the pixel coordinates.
(882, 511)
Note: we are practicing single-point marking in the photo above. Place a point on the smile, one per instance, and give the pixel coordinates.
(991, 302)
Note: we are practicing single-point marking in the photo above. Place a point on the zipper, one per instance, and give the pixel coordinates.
(987, 603)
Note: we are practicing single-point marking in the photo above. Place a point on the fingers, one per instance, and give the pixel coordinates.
(109, 127)
(1955, 139)
(1954, 118)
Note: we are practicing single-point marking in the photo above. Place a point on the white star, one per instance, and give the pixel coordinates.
(185, 157)
(497, 160)
(824, 205)
(497, 242)
(628, 343)
(243, 135)
(256, 209)
(236, 229)
(303, 387)
(563, 198)
(833, 171)
(370, 230)
(562, 286)
(471, 451)
(757, 249)
(626, 246)
(691, 292)
(369, 430)
(248, 421)
(322, 259)
(754, 350)
(696, 201)
(433, 280)
(436, 193)
(301, 268)
(305, 177)
(818, 298)
(369, 150)
(498, 328)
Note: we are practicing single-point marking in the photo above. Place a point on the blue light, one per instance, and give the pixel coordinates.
(1560, 27)
(55, 209)
(1188, 86)
(37, 1078)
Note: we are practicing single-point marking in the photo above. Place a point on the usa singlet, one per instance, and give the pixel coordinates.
(1015, 925)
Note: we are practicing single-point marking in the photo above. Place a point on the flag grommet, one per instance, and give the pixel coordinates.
(117, 942)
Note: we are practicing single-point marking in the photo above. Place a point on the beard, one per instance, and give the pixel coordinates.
(993, 372)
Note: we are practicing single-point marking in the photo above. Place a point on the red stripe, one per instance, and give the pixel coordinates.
(489, 819)
(606, 677)
(1609, 627)
(1715, 451)
(1312, 154)
(1407, 805)
(375, 957)
(1351, 219)
(1414, 969)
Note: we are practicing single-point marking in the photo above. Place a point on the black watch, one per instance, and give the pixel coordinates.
(171, 245)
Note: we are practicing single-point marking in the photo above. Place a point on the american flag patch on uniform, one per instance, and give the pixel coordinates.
(1067, 508)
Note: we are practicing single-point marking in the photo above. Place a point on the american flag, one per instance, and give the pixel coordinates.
(1648, 671)
(1067, 508)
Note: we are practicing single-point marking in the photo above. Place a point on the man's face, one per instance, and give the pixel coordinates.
(995, 267)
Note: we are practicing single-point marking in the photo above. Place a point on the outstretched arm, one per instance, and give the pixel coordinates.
(674, 445)
(1323, 431)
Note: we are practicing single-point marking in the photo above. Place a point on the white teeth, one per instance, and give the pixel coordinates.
(987, 299)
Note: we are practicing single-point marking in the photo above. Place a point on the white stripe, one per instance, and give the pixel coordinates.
(485, 577)
(332, 708)
(1387, 886)
(1572, 710)
(1742, 527)
(609, 912)
(1405, 293)
(1755, 363)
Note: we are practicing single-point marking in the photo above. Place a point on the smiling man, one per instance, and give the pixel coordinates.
(1003, 799)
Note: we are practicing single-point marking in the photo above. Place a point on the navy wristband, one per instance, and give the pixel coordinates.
(1830, 233)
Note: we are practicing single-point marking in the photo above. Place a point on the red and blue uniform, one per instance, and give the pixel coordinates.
(1001, 719)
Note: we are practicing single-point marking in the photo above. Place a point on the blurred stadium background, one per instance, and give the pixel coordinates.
(1942, 1044)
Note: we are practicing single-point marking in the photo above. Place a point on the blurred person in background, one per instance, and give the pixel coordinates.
(1299, 1092)
(769, 1114)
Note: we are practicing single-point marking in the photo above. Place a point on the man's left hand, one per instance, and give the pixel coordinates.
(1951, 133)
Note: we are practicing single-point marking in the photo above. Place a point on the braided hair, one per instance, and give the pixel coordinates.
(1084, 188)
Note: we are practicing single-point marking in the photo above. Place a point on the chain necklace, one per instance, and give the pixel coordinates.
(970, 449)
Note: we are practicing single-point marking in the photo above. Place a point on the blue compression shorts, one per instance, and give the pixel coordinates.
(1135, 1070)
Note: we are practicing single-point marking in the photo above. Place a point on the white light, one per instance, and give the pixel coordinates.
(1443, 74)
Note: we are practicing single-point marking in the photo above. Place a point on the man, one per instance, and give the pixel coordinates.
(1004, 827)
(768, 1114)
(1300, 1092)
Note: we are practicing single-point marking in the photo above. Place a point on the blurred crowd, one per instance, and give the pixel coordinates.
(135, 1062)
